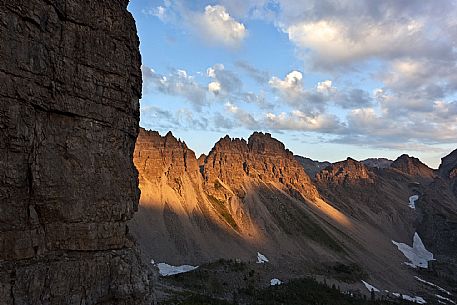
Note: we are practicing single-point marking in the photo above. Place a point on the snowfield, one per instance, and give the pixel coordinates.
(166, 269)
(433, 285)
(415, 299)
(261, 259)
(412, 201)
(417, 254)
(445, 299)
(370, 287)
(275, 282)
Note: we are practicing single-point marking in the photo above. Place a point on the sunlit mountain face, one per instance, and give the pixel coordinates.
(283, 140)
(360, 225)
(330, 79)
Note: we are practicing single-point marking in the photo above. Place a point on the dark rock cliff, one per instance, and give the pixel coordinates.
(71, 82)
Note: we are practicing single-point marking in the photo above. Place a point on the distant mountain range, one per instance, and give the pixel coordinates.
(307, 217)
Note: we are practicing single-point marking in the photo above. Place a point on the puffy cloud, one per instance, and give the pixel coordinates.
(216, 25)
(325, 87)
(342, 32)
(337, 42)
(292, 92)
(291, 84)
(383, 129)
(353, 98)
(163, 119)
(178, 83)
(299, 121)
(242, 117)
(227, 81)
(163, 12)
(315, 101)
(214, 87)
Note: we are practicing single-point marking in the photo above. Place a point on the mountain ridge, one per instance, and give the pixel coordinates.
(256, 196)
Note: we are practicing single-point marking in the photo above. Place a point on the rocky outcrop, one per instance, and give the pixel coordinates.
(312, 167)
(448, 170)
(448, 166)
(346, 172)
(177, 222)
(261, 157)
(413, 167)
(71, 82)
(254, 195)
(377, 162)
(376, 196)
(244, 195)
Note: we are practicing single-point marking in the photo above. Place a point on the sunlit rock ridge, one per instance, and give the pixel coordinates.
(249, 196)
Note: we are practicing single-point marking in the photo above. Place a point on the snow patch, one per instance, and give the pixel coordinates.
(166, 269)
(417, 254)
(370, 287)
(445, 299)
(275, 282)
(411, 265)
(415, 299)
(412, 201)
(261, 259)
(433, 285)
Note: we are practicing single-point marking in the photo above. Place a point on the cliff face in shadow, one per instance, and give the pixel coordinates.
(71, 81)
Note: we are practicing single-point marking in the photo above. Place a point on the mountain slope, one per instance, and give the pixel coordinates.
(254, 195)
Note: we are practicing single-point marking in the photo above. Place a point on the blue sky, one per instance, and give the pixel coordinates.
(329, 78)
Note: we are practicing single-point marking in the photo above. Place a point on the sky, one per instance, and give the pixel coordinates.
(328, 78)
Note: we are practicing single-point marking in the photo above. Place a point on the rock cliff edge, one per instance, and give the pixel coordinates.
(71, 82)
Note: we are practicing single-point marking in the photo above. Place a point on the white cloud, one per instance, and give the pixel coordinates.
(291, 89)
(242, 117)
(332, 33)
(291, 83)
(226, 82)
(325, 87)
(297, 120)
(214, 87)
(217, 26)
(177, 83)
(336, 41)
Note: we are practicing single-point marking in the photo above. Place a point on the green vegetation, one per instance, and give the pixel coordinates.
(232, 282)
(304, 291)
(309, 291)
(346, 273)
(223, 212)
(218, 185)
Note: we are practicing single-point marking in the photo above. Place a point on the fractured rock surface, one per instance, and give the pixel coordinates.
(69, 111)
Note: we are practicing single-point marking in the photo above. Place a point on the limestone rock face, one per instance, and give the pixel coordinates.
(71, 82)
(312, 167)
(261, 157)
(249, 196)
(413, 167)
(225, 204)
(448, 170)
(345, 172)
(448, 166)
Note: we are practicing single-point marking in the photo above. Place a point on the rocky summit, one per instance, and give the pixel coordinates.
(254, 195)
(70, 85)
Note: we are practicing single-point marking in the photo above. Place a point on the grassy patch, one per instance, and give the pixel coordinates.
(221, 209)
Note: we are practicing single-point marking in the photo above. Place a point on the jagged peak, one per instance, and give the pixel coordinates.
(377, 162)
(448, 165)
(412, 166)
(264, 142)
(168, 140)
